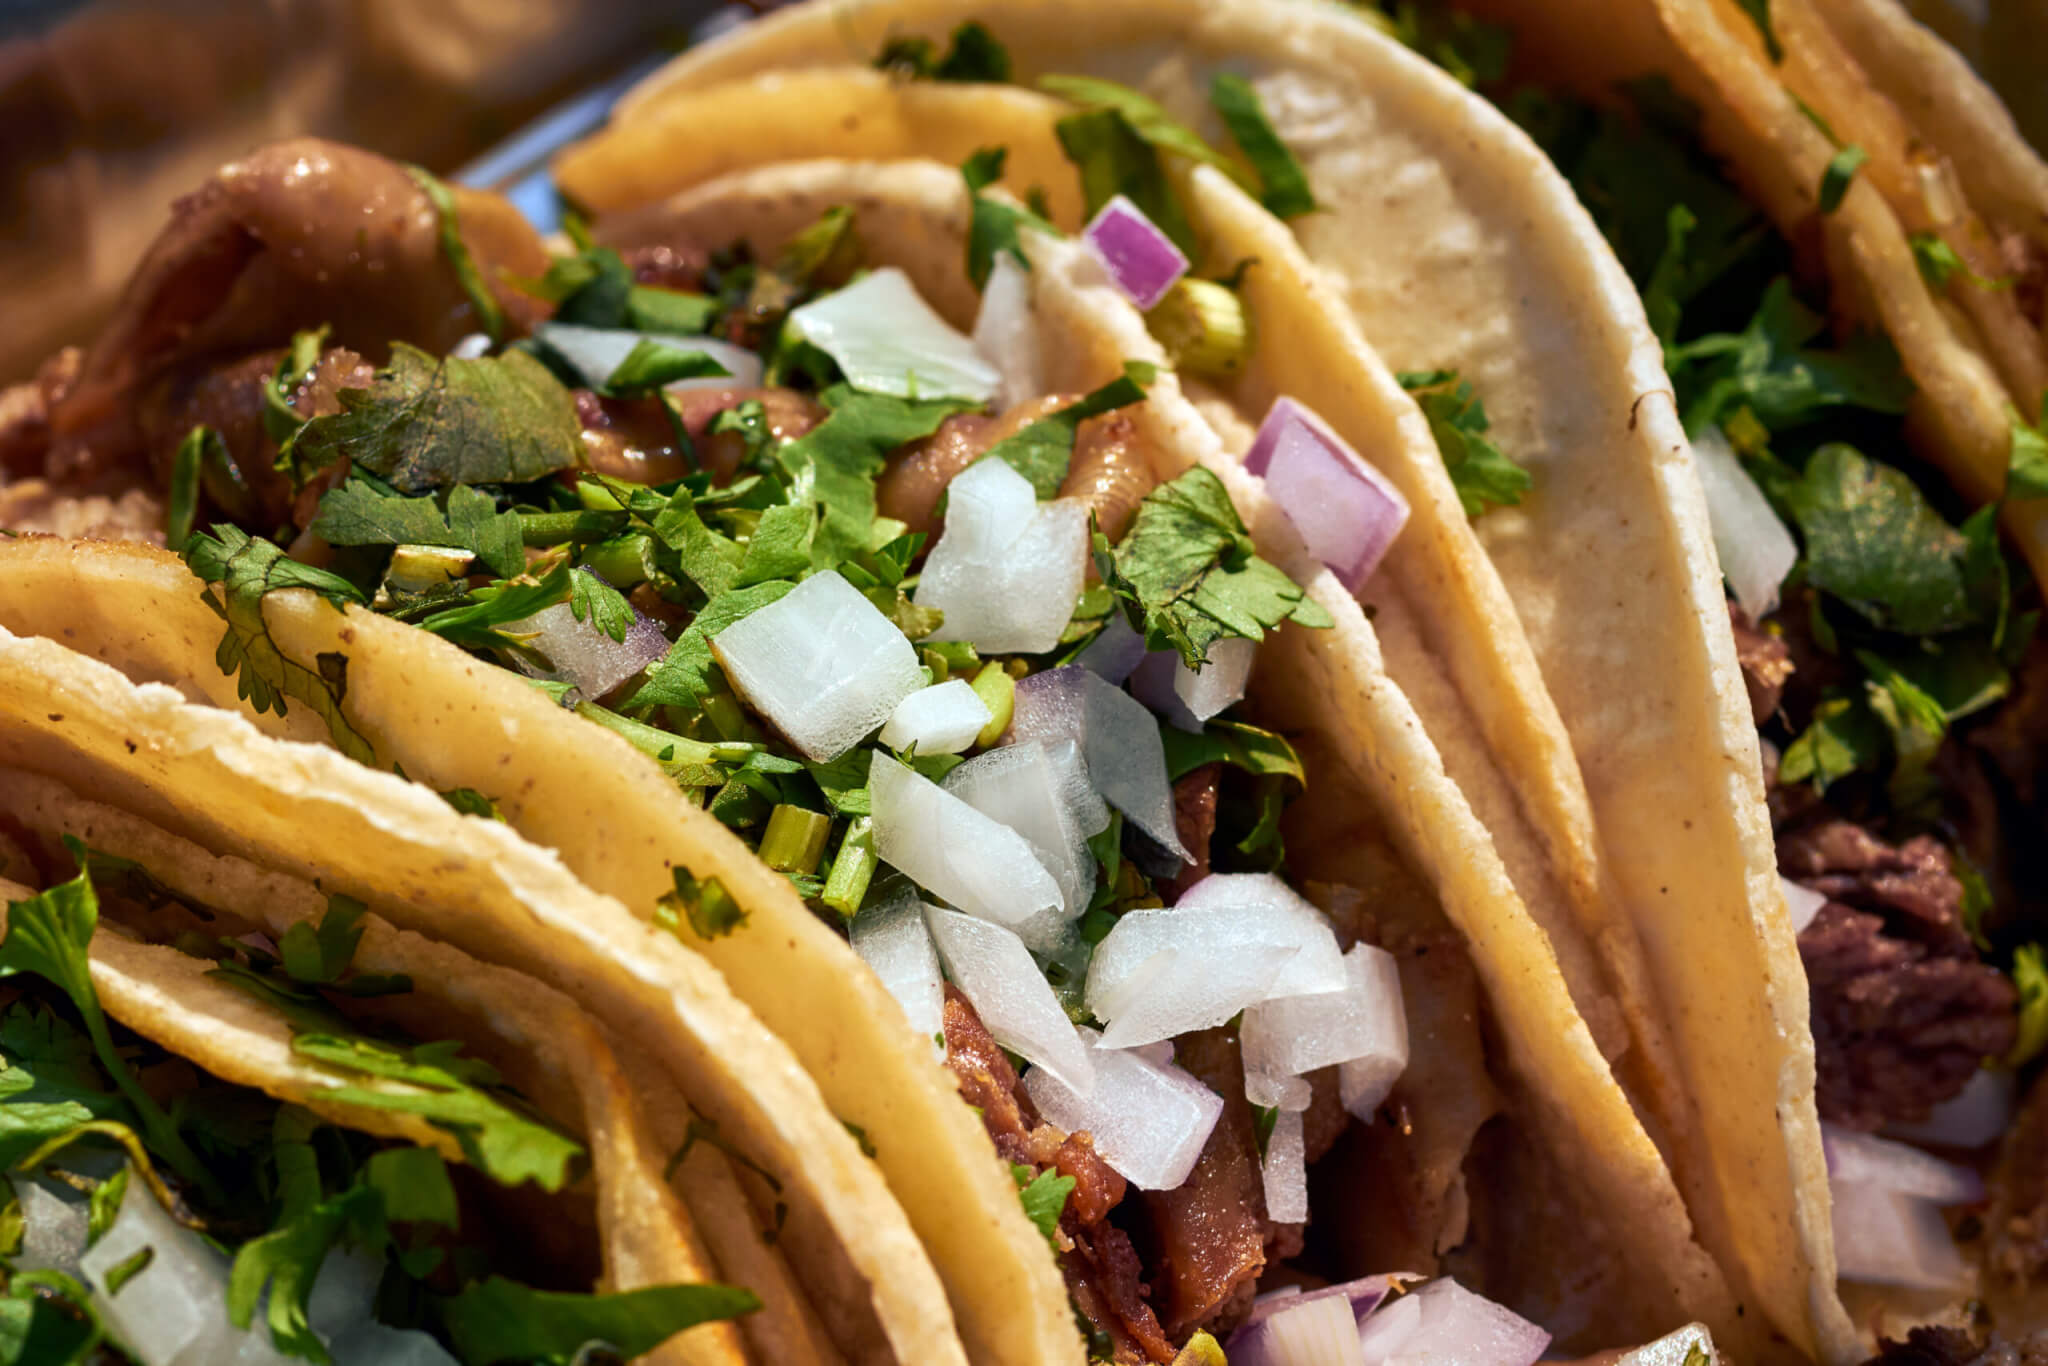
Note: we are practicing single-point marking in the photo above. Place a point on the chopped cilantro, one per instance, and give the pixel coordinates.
(427, 422)
(366, 511)
(1472, 51)
(652, 365)
(1114, 158)
(1845, 735)
(593, 600)
(1940, 263)
(1482, 474)
(1045, 1196)
(1769, 368)
(501, 1320)
(1841, 169)
(103, 1204)
(294, 368)
(702, 903)
(1189, 571)
(996, 225)
(128, 1268)
(476, 622)
(1284, 184)
(2026, 473)
(286, 1261)
(471, 802)
(488, 312)
(973, 55)
(836, 463)
(1144, 115)
(2030, 975)
(1042, 450)
(688, 674)
(1759, 12)
(183, 503)
(1264, 1119)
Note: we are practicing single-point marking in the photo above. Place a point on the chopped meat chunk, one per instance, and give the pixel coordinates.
(1194, 820)
(1937, 1345)
(668, 265)
(1766, 663)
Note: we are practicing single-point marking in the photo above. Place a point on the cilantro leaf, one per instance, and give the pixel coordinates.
(286, 1261)
(2027, 458)
(476, 623)
(686, 675)
(652, 365)
(1840, 170)
(973, 55)
(360, 512)
(1768, 368)
(414, 1184)
(1143, 115)
(1189, 570)
(1044, 1195)
(1041, 451)
(426, 422)
(1272, 763)
(1115, 159)
(1844, 736)
(593, 600)
(705, 905)
(1482, 474)
(488, 312)
(50, 1085)
(1472, 51)
(836, 463)
(183, 503)
(247, 568)
(995, 225)
(1284, 184)
(1759, 12)
(501, 1320)
(780, 547)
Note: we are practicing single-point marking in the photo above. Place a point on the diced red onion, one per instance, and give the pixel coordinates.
(1219, 682)
(1120, 743)
(1115, 652)
(1149, 1121)
(1445, 1322)
(888, 340)
(892, 938)
(1316, 1329)
(1364, 1295)
(580, 652)
(821, 663)
(1756, 550)
(595, 352)
(1141, 260)
(1024, 788)
(1295, 1035)
(1006, 568)
(1162, 973)
(1286, 917)
(995, 972)
(1858, 1159)
(941, 719)
(1006, 334)
(1284, 1170)
(1348, 513)
(1152, 683)
(1979, 1114)
(1888, 1238)
(955, 852)
(1801, 903)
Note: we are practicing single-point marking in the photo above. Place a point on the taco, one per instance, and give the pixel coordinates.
(606, 582)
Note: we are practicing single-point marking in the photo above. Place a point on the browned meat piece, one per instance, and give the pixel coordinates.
(1812, 670)
(668, 265)
(987, 1081)
(632, 438)
(1942, 1346)
(298, 234)
(31, 506)
(1113, 470)
(2026, 264)
(1107, 1281)
(1897, 1027)
(1766, 663)
(1194, 820)
(25, 413)
(2016, 1229)
(1911, 883)
(1098, 1188)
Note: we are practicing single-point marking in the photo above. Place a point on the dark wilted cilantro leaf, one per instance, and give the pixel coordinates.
(1472, 51)
(426, 423)
(1769, 369)
(996, 224)
(973, 55)
(362, 512)
(1189, 571)
(1044, 1195)
(1284, 188)
(1114, 158)
(1042, 450)
(1483, 475)
(501, 1320)
(246, 569)
(490, 316)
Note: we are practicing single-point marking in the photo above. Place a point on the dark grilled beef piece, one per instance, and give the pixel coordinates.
(1194, 820)
(1938, 1346)
(1766, 663)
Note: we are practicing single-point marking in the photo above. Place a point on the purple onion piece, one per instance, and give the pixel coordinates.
(1141, 260)
(1348, 513)
(1152, 684)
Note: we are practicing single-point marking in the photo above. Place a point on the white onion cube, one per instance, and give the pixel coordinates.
(1285, 1171)
(888, 340)
(1293, 1035)
(1282, 916)
(955, 852)
(1219, 682)
(1162, 973)
(996, 973)
(1299, 1330)
(821, 663)
(941, 719)
(1277, 1091)
(1006, 569)
(1006, 333)
(581, 652)
(1120, 743)
(1445, 1322)
(1149, 1121)
(1022, 787)
(892, 938)
(1859, 1159)
(1755, 549)
(1801, 903)
(1885, 1237)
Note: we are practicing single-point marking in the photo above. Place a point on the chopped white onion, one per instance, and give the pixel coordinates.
(1027, 789)
(1801, 903)
(1161, 973)
(995, 971)
(1142, 261)
(892, 938)
(888, 340)
(1363, 1023)
(1160, 1054)
(1006, 568)
(1308, 1336)
(1348, 513)
(1155, 683)
(1445, 1322)
(1364, 1084)
(580, 652)
(1118, 649)
(1148, 1120)
(971, 860)
(1119, 741)
(1006, 334)
(1284, 917)
(1756, 550)
(821, 663)
(1978, 1114)
(941, 719)
(1885, 1237)
(472, 347)
(1277, 1091)
(595, 352)
(1219, 682)
(1284, 1170)
(1673, 1349)
(1858, 1159)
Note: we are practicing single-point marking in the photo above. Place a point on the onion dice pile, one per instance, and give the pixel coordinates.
(1365, 1323)
(1888, 1200)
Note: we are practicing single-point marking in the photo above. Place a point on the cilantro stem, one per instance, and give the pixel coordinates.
(541, 530)
(794, 841)
(663, 745)
(854, 867)
(163, 1136)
